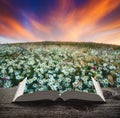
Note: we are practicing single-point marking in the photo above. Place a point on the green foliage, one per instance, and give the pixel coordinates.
(59, 66)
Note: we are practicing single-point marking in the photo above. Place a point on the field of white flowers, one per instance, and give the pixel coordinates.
(59, 68)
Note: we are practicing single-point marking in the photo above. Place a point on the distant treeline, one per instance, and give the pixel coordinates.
(79, 44)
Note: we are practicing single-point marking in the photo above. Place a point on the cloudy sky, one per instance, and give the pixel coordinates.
(60, 20)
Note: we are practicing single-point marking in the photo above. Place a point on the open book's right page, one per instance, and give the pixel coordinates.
(81, 96)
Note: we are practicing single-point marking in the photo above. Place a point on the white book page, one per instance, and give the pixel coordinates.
(20, 89)
(98, 89)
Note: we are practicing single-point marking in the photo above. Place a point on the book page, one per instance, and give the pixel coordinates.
(20, 90)
(81, 96)
(98, 89)
(39, 95)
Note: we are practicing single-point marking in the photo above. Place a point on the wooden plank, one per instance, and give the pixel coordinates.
(60, 109)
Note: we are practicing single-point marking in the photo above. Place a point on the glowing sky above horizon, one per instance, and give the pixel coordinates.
(60, 20)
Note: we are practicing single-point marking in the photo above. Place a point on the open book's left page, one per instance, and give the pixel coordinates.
(21, 95)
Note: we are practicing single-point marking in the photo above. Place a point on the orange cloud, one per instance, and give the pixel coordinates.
(40, 27)
(113, 38)
(14, 29)
(82, 22)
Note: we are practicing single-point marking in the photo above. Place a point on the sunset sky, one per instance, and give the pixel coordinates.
(60, 20)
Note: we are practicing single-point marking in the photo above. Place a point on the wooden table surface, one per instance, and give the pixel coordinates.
(59, 109)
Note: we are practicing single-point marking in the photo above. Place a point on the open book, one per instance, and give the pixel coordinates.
(53, 95)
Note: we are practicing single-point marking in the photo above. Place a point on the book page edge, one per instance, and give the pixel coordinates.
(98, 89)
(20, 89)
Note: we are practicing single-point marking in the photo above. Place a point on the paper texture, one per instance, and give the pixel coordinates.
(98, 89)
(20, 89)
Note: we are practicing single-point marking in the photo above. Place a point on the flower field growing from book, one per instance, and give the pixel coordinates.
(59, 67)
